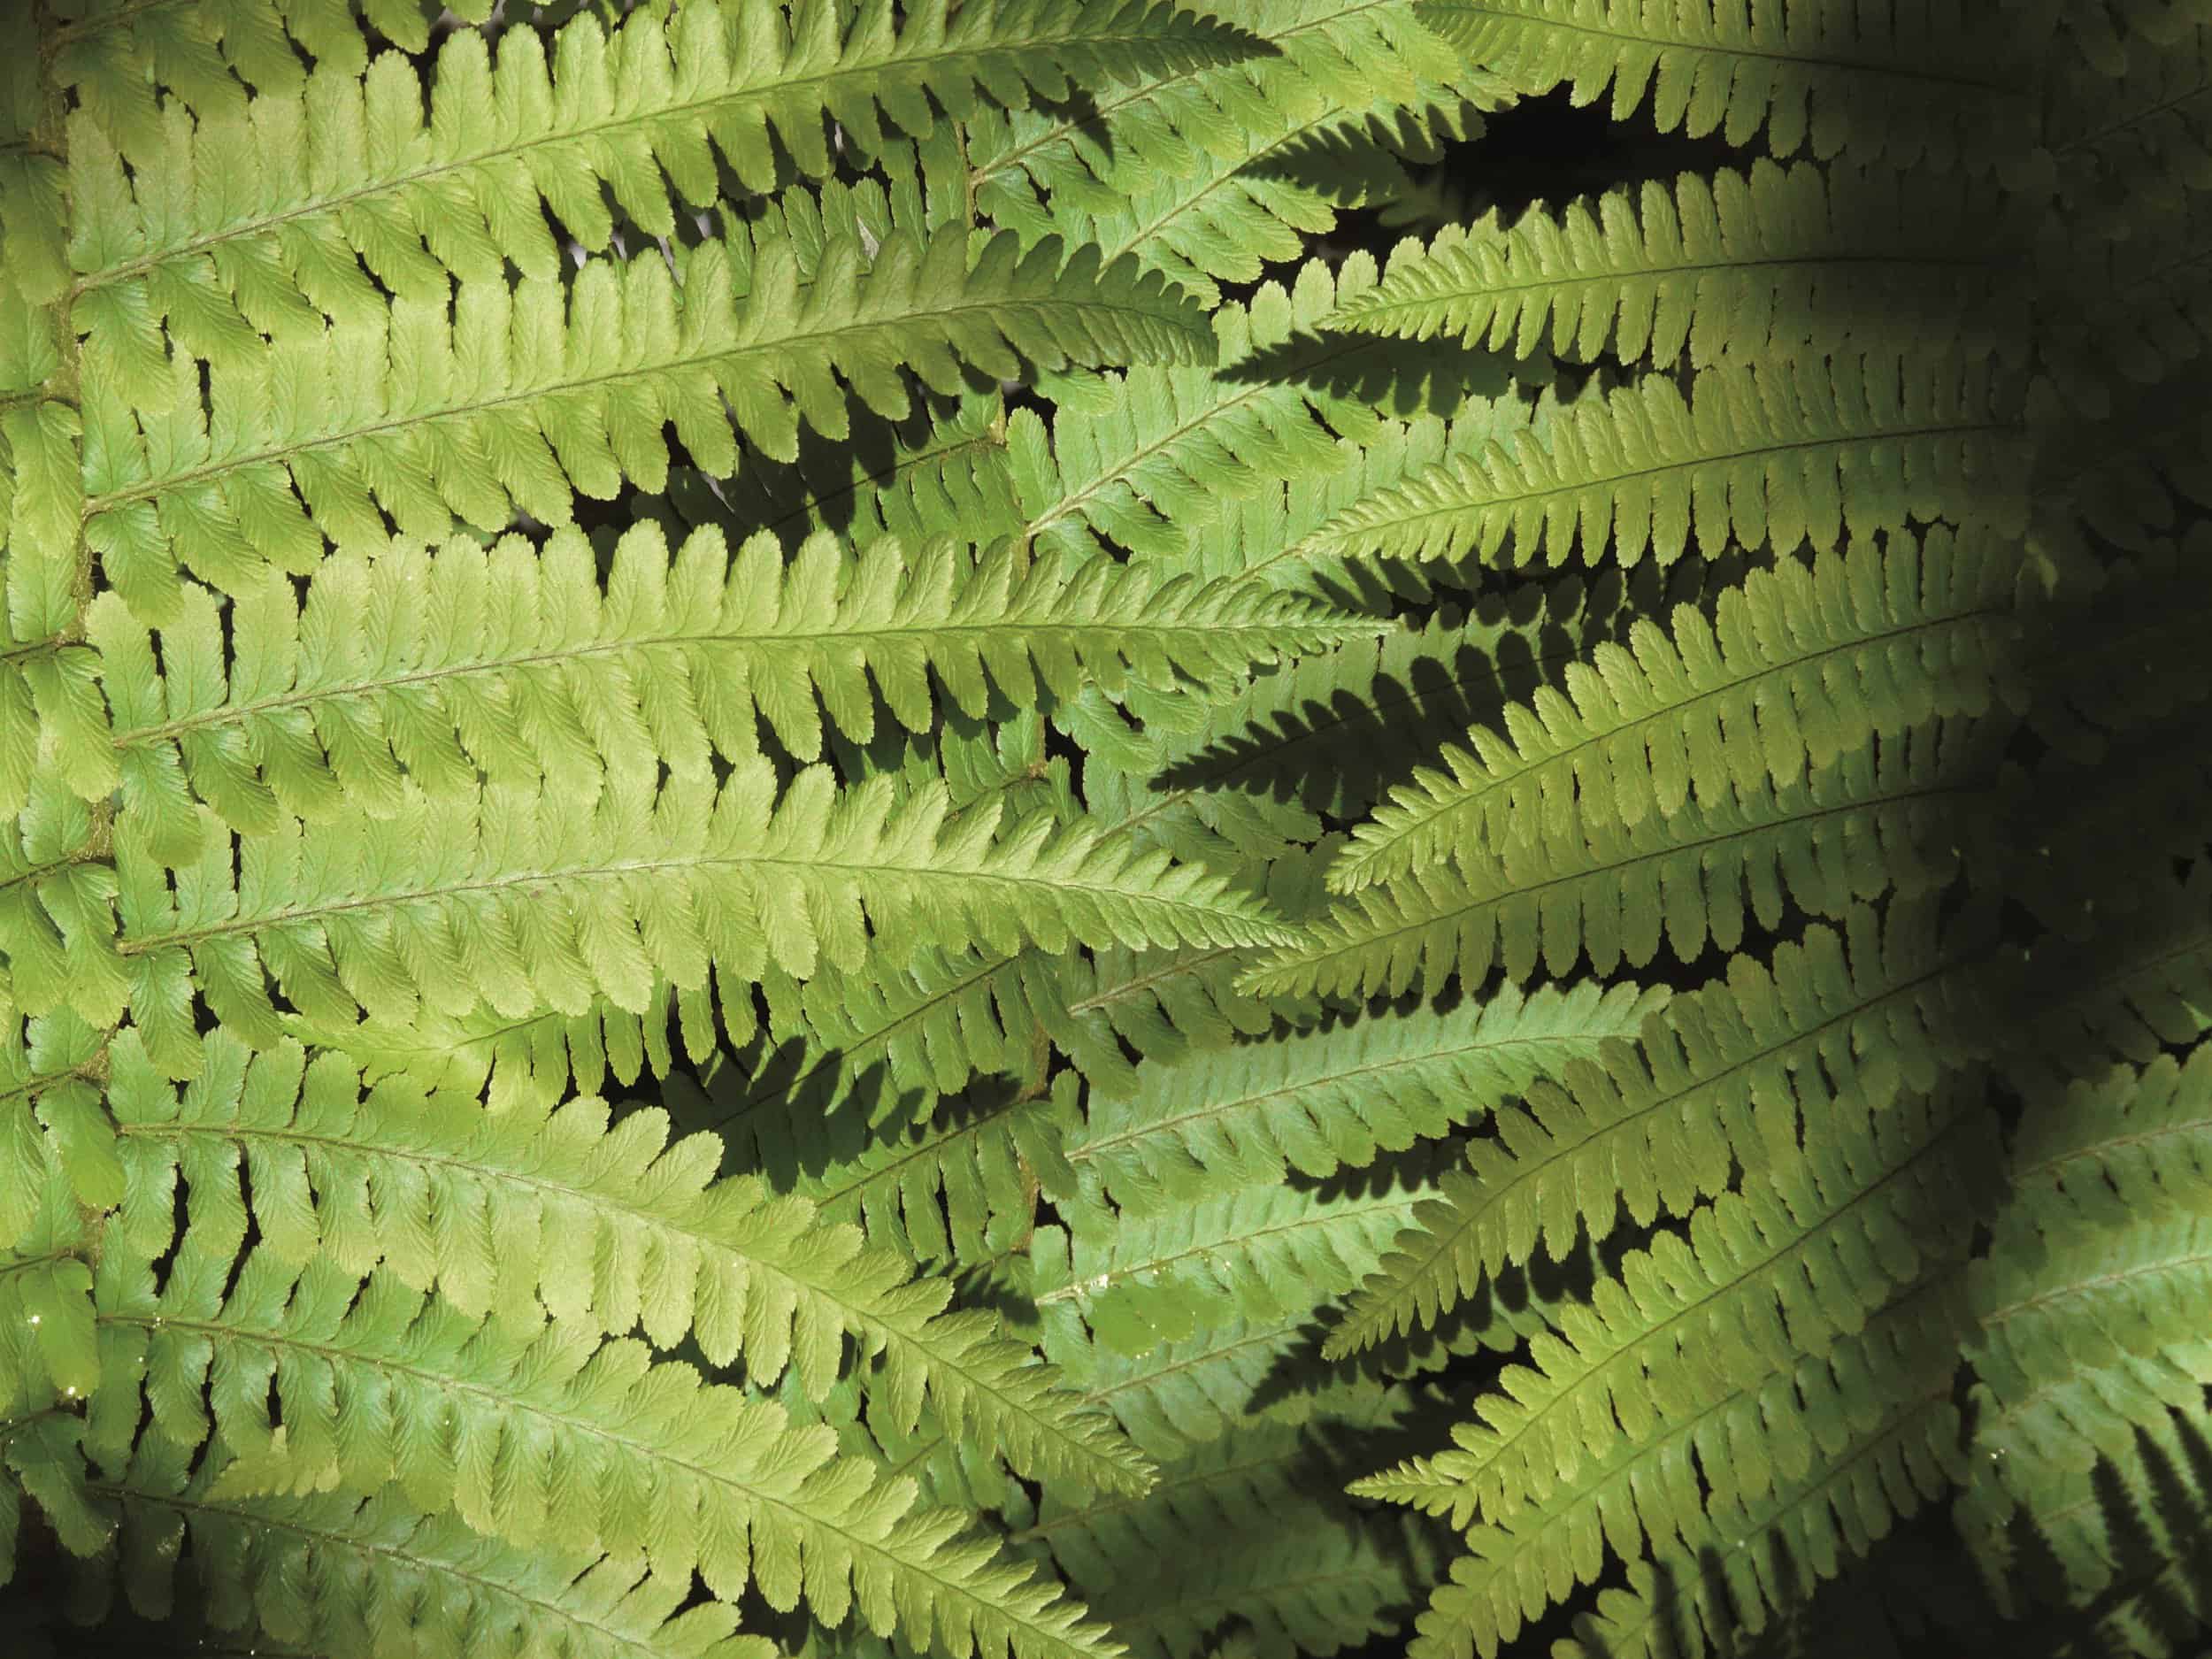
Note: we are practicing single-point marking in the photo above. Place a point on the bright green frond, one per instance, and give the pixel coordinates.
(1143, 460)
(1935, 85)
(506, 897)
(468, 406)
(1261, 1254)
(541, 1434)
(1721, 1081)
(610, 1226)
(1798, 668)
(57, 911)
(265, 206)
(1770, 456)
(434, 667)
(1320, 1101)
(1883, 817)
(1777, 264)
(1767, 1277)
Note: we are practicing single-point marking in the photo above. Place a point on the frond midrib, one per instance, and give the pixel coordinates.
(775, 350)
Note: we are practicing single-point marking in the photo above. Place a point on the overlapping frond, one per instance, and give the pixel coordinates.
(1774, 264)
(1768, 456)
(1796, 668)
(431, 667)
(1259, 1254)
(607, 1223)
(1882, 818)
(306, 200)
(1722, 1080)
(1939, 86)
(1766, 1278)
(1143, 459)
(377, 1570)
(472, 404)
(525, 905)
(1779, 1437)
(540, 1432)
(1321, 1101)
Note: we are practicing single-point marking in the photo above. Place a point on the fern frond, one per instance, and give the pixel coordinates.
(1206, 121)
(1321, 1101)
(57, 911)
(281, 194)
(434, 667)
(505, 897)
(1240, 1528)
(1779, 263)
(1934, 89)
(1316, 127)
(1770, 456)
(608, 1225)
(1143, 460)
(1721, 1080)
(51, 1075)
(1883, 817)
(1260, 1254)
(1650, 1497)
(346, 1578)
(471, 405)
(1798, 668)
(560, 1438)
(47, 1342)
(1767, 1277)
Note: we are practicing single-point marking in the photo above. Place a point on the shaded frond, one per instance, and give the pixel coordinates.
(1767, 1278)
(1770, 456)
(1798, 667)
(1883, 817)
(1745, 1445)
(1938, 86)
(1319, 1101)
(1721, 1080)
(472, 405)
(1775, 264)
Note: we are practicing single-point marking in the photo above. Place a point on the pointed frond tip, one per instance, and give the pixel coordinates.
(1798, 667)
(509, 896)
(1788, 262)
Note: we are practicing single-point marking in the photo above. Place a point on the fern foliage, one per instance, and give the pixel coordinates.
(1053, 830)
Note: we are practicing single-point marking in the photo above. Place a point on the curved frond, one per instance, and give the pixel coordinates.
(1798, 668)
(1770, 455)
(1883, 817)
(282, 194)
(1778, 263)
(1721, 1080)
(434, 667)
(1750, 1444)
(607, 1223)
(1938, 86)
(373, 1568)
(472, 404)
(1767, 1278)
(1321, 1101)
(555, 1437)
(505, 897)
